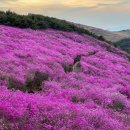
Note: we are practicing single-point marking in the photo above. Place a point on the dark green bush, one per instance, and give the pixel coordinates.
(101, 38)
(123, 44)
(77, 100)
(117, 105)
(33, 82)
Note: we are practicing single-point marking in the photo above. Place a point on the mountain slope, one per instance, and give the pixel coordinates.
(124, 44)
(120, 39)
(66, 81)
(108, 35)
(36, 21)
(125, 32)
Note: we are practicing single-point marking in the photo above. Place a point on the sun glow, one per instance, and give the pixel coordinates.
(68, 3)
(88, 3)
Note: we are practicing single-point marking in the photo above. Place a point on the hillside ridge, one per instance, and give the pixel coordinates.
(113, 36)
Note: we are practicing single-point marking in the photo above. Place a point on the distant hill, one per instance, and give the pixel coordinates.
(125, 32)
(108, 35)
(120, 39)
(124, 44)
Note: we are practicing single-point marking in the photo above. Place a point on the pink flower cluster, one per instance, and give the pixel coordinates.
(96, 97)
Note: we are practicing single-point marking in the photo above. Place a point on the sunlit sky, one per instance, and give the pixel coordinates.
(106, 14)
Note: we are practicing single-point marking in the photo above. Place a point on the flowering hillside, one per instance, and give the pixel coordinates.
(54, 80)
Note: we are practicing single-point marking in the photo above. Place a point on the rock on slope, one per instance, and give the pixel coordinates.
(54, 80)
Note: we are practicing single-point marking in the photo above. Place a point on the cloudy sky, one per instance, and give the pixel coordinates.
(107, 14)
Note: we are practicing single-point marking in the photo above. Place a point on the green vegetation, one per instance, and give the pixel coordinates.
(123, 44)
(35, 21)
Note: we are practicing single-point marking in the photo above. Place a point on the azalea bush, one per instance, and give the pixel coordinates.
(37, 93)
